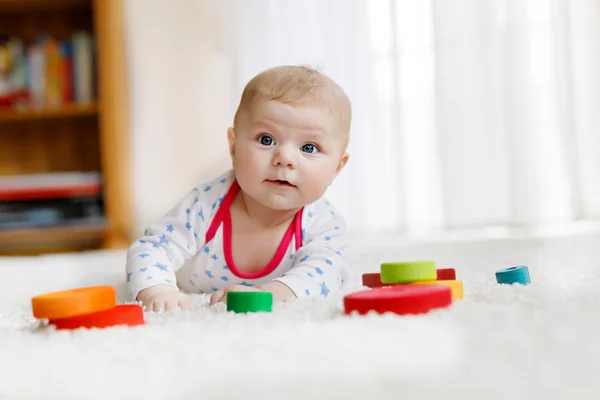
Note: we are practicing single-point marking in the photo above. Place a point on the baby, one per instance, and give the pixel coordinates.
(264, 225)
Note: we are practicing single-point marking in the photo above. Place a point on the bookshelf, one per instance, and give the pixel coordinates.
(65, 111)
(74, 134)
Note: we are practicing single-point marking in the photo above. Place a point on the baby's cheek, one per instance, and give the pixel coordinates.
(321, 179)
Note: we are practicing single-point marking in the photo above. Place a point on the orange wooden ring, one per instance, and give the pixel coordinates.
(74, 302)
(123, 314)
(456, 287)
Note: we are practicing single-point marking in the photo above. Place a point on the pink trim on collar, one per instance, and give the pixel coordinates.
(224, 216)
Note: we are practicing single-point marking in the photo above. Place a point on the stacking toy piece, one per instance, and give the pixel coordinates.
(124, 314)
(87, 307)
(456, 287)
(401, 300)
(244, 302)
(74, 302)
(519, 274)
(404, 272)
(446, 274)
(405, 288)
(372, 280)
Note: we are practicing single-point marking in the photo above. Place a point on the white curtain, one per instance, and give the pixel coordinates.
(517, 96)
(467, 113)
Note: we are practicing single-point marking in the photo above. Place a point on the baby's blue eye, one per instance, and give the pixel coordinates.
(309, 148)
(265, 140)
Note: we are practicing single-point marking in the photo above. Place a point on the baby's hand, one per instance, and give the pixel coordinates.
(221, 294)
(162, 297)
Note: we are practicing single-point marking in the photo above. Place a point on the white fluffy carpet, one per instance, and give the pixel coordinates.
(500, 342)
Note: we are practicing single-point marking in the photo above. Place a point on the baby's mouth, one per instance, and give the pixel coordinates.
(281, 183)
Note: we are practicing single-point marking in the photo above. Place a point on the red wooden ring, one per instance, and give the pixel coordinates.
(124, 314)
(410, 299)
(372, 280)
(446, 274)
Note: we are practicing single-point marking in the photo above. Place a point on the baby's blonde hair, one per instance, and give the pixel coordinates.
(297, 86)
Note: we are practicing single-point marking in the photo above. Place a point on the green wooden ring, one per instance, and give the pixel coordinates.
(245, 302)
(405, 272)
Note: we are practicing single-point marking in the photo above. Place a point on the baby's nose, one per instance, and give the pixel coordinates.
(285, 156)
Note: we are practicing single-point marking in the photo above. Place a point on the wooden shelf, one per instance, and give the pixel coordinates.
(39, 5)
(67, 111)
(37, 236)
(50, 140)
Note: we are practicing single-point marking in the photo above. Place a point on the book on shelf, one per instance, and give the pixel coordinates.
(49, 185)
(44, 200)
(47, 73)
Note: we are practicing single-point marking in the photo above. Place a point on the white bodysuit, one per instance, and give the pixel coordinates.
(190, 247)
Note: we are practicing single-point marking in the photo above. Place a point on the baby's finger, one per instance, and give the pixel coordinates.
(158, 306)
(216, 296)
(170, 304)
(184, 303)
(223, 298)
(148, 306)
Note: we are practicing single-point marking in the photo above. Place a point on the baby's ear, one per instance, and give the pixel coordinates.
(343, 160)
(231, 140)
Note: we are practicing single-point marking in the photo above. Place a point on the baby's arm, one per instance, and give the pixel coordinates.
(153, 259)
(321, 267)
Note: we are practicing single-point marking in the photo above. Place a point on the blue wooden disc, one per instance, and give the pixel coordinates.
(519, 274)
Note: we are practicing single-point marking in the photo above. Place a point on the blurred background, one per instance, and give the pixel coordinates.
(470, 117)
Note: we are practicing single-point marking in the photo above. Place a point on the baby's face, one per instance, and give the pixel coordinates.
(285, 156)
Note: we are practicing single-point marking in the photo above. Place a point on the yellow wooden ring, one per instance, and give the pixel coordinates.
(455, 286)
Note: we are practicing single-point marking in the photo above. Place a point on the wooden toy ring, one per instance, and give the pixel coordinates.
(519, 274)
(446, 274)
(456, 287)
(124, 314)
(244, 302)
(404, 272)
(372, 280)
(74, 302)
(404, 299)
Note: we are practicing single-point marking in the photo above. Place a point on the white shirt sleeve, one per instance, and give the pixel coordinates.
(169, 242)
(320, 267)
